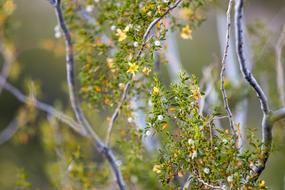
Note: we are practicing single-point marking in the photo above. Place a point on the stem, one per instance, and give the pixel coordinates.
(222, 74)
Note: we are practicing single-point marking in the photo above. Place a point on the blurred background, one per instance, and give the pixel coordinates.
(34, 22)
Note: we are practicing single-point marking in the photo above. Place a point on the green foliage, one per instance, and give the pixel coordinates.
(22, 181)
(105, 49)
(193, 146)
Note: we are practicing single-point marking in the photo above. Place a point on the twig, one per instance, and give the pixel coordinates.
(279, 66)
(75, 103)
(222, 74)
(117, 111)
(9, 131)
(153, 23)
(207, 184)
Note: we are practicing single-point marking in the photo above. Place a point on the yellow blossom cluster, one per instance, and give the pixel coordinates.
(186, 32)
(195, 90)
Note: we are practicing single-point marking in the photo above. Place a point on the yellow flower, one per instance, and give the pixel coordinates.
(155, 90)
(9, 7)
(180, 173)
(121, 35)
(146, 70)
(133, 68)
(98, 89)
(110, 63)
(262, 184)
(157, 168)
(196, 93)
(164, 126)
(227, 83)
(185, 13)
(186, 32)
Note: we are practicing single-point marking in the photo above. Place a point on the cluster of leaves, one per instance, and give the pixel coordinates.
(193, 147)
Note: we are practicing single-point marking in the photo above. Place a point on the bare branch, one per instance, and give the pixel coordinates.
(75, 103)
(279, 66)
(9, 131)
(242, 60)
(222, 74)
(266, 121)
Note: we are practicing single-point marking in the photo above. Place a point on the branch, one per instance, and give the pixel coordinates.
(154, 22)
(207, 184)
(43, 107)
(9, 131)
(279, 66)
(242, 60)
(8, 60)
(222, 74)
(117, 111)
(75, 103)
(267, 122)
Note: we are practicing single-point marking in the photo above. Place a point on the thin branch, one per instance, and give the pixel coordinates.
(117, 111)
(43, 107)
(75, 103)
(279, 66)
(222, 74)
(278, 115)
(208, 185)
(127, 86)
(8, 60)
(154, 22)
(9, 131)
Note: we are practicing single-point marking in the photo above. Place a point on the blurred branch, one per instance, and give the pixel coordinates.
(209, 86)
(279, 66)
(9, 131)
(42, 106)
(174, 65)
(8, 57)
